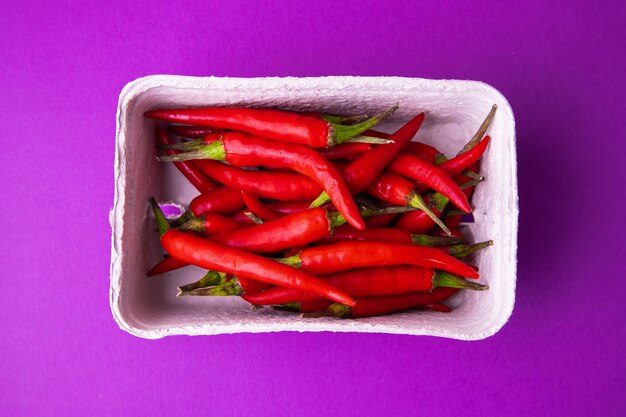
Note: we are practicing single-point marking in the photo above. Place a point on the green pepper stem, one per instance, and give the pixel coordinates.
(462, 250)
(344, 120)
(427, 240)
(212, 278)
(196, 224)
(370, 139)
(293, 261)
(192, 145)
(214, 150)
(182, 219)
(256, 219)
(160, 217)
(228, 288)
(480, 133)
(415, 200)
(341, 133)
(321, 199)
(445, 279)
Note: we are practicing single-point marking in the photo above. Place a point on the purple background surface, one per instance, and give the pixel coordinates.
(62, 67)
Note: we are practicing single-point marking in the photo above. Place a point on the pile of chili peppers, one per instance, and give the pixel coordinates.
(319, 214)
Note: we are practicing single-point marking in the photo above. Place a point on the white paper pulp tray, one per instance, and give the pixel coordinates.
(148, 307)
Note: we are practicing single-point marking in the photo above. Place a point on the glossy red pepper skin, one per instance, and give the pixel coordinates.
(420, 149)
(361, 173)
(246, 150)
(215, 223)
(344, 150)
(188, 168)
(421, 170)
(464, 161)
(219, 201)
(259, 209)
(283, 233)
(250, 286)
(343, 256)
(268, 123)
(376, 281)
(282, 207)
(392, 188)
(283, 185)
(190, 132)
(374, 306)
(167, 264)
(213, 256)
(382, 234)
(382, 220)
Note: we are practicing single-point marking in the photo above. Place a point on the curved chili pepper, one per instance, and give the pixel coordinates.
(190, 132)
(241, 149)
(347, 255)
(210, 255)
(375, 306)
(335, 119)
(283, 185)
(428, 152)
(368, 282)
(167, 264)
(283, 233)
(272, 124)
(281, 207)
(397, 190)
(361, 173)
(465, 160)
(259, 209)
(421, 170)
(220, 201)
(211, 224)
(188, 168)
(386, 234)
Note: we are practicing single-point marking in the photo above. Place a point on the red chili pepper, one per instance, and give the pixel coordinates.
(419, 169)
(361, 173)
(464, 161)
(251, 286)
(220, 201)
(191, 132)
(282, 207)
(385, 234)
(345, 149)
(284, 185)
(347, 255)
(167, 264)
(259, 209)
(420, 149)
(367, 282)
(283, 233)
(397, 190)
(188, 168)
(375, 306)
(382, 220)
(419, 222)
(245, 150)
(272, 124)
(306, 306)
(210, 224)
(210, 255)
